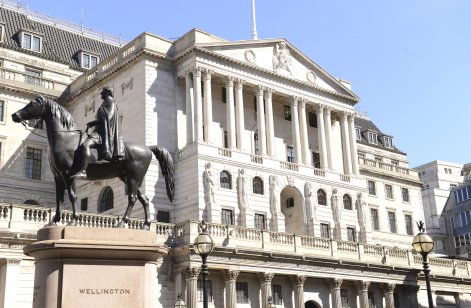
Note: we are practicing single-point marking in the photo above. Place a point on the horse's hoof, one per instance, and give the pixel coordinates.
(72, 223)
(120, 224)
(145, 227)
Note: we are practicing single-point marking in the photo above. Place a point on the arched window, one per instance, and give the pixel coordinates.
(257, 185)
(347, 202)
(106, 200)
(321, 197)
(225, 179)
(31, 202)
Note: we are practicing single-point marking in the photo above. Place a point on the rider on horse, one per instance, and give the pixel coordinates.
(105, 137)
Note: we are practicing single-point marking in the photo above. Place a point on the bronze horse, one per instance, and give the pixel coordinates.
(64, 141)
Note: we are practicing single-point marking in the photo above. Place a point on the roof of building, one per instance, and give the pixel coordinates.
(58, 43)
(365, 124)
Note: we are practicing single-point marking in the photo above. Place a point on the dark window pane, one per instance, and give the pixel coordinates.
(163, 216)
(84, 204)
(225, 180)
(33, 163)
(106, 202)
(257, 185)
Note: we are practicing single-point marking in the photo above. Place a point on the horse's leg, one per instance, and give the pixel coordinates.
(59, 200)
(132, 197)
(145, 203)
(72, 199)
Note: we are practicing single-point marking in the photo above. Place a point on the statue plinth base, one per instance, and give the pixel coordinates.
(88, 267)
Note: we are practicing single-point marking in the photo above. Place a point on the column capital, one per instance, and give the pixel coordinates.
(328, 110)
(302, 103)
(388, 287)
(362, 285)
(335, 283)
(320, 108)
(294, 100)
(192, 272)
(260, 90)
(207, 73)
(298, 280)
(268, 93)
(238, 83)
(231, 275)
(345, 115)
(197, 70)
(229, 81)
(265, 278)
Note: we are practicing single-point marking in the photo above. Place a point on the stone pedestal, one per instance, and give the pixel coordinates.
(90, 267)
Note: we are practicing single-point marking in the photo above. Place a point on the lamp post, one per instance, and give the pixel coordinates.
(204, 245)
(423, 244)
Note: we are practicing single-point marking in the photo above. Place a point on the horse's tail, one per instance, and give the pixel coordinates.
(166, 165)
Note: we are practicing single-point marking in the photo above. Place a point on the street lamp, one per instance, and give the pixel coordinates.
(423, 244)
(204, 245)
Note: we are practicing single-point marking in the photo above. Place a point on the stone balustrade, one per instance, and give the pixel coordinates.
(371, 163)
(29, 219)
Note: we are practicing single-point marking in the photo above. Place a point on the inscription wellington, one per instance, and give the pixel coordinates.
(105, 291)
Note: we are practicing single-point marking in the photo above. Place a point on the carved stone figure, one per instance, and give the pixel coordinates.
(274, 195)
(335, 206)
(311, 210)
(362, 210)
(64, 144)
(209, 183)
(281, 58)
(242, 189)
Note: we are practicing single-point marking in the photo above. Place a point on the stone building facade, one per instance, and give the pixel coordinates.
(307, 200)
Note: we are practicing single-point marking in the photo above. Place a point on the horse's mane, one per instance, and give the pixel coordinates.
(57, 110)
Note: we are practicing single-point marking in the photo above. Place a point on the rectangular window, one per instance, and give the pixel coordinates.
(344, 298)
(312, 119)
(351, 234)
(200, 293)
(255, 103)
(2, 33)
(224, 96)
(374, 219)
(163, 216)
(358, 133)
(226, 217)
(259, 221)
(405, 194)
(287, 112)
(388, 191)
(468, 217)
(31, 42)
(33, 163)
(89, 61)
(463, 219)
(388, 142)
(2, 110)
(242, 292)
(408, 220)
(84, 204)
(276, 294)
(452, 222)
(316, 160)
(33, 76)
(325, 231)
(372, 138)
(371, 188)
(392, 222)
(290, 154)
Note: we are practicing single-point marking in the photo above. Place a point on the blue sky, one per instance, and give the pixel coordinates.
(409, 61)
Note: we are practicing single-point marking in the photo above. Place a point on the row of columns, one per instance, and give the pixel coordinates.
(199, 115)
(265, 279)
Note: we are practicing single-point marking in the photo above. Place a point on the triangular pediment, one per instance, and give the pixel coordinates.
(282, 58)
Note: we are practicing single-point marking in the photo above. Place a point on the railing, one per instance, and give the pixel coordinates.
(22, 77)
(344, 178)
(384, 166)
(289, 166)
(225, 152)
(257, 159)
(319, 172)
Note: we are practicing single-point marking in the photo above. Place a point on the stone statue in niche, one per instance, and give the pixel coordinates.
(209, 184)
(242, 189)
(362, 210)
(311, 210)
(274, 195)
(335, 206)
(281, 58)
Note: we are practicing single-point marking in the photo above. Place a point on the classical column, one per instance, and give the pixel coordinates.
(347, 158)
(295, 129)
(321, 137)
(198, 105)
(303, 128)
(230, 114)
(9, 270)
(362, 287)
(262, 142)
(230, 278)
(353, 144)
(192, 286)
(328, 137)
(208, 106)
(190, 118)
(388, 289)
(335, 285)
(298, 286)
(265, 287)
(240, 124)
(270, 127)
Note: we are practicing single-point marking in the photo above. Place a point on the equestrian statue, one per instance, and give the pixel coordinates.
(95, 156)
